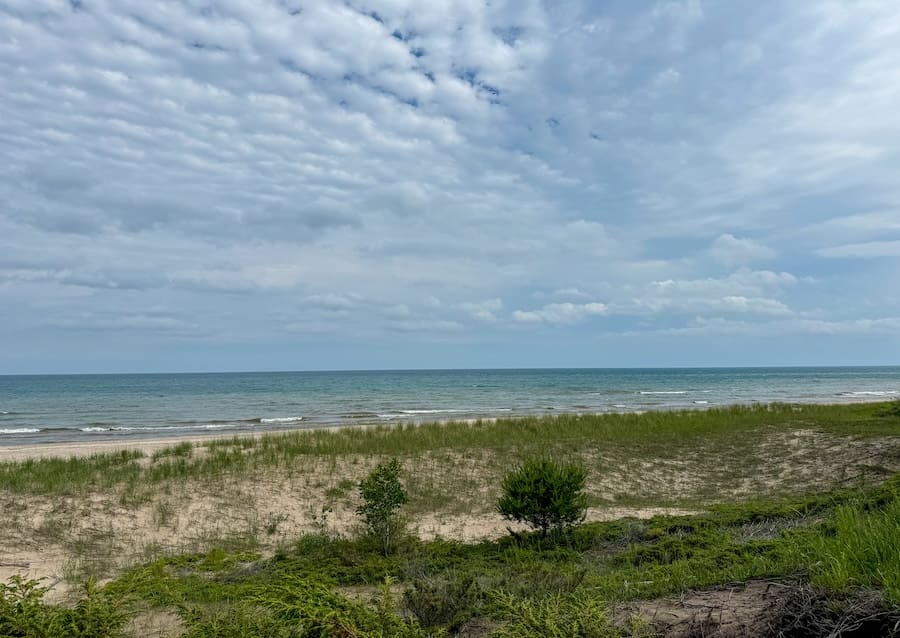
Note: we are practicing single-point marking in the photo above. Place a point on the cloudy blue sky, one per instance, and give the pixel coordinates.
(308, 184)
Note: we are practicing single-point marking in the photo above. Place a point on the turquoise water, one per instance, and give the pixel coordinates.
(53, 409)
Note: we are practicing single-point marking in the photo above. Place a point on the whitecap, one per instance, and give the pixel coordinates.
(430, 411)
(20, 431)
(95, 429)
(702, 402)
(282, 419)
(871, 393)
(454, 411)
(663, 392)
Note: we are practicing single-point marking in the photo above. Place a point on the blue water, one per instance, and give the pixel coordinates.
(54, 409)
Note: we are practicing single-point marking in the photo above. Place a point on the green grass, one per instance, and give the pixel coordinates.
(862, 549)
(507, 441)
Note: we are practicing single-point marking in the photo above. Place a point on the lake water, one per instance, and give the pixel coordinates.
(67, 408)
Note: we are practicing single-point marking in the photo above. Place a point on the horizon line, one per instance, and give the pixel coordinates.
(461, 369)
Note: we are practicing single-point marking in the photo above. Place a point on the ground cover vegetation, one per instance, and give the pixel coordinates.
(816, 552)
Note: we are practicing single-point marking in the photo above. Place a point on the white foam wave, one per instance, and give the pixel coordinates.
(282, 419)
(663, 392)
(702, 402)
(871, 393)
(454, 411)
(619, 405)
(19, 431)
(430, 411)
(126, 428)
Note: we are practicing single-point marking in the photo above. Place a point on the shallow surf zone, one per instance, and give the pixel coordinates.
(105, 431)
(19, 430)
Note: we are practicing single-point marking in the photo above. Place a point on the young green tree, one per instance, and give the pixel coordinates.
(545, 494)
(383, 495)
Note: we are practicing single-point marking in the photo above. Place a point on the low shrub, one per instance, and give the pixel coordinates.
(383, 495)
(449, 600)
(23, 613)
(574, 616)
(544, 494)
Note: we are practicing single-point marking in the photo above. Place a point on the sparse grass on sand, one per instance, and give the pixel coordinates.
(204, 535)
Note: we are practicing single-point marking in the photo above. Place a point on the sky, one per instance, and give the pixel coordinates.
(306, 184)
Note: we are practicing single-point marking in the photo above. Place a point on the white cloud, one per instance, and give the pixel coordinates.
(425, 325)
(483, 311)
(571, 292)
(865, 250)
(559, 313)
(731, 251)
(701, 326)
(757, 305)
(740, 282)
(332, 301)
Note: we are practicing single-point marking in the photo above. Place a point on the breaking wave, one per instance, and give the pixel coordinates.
(282, 419)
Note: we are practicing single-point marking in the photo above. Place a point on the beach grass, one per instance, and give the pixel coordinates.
(666, 433)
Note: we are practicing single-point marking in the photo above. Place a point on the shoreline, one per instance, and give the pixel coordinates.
(19, 453)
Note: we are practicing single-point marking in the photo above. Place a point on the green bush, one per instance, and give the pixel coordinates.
(544, 494)
(574, 616)
(443, 601)
(23, 613)
(295, 607)
(383, 495)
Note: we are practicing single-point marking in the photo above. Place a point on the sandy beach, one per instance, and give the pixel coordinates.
(147, 446)
(150, 445)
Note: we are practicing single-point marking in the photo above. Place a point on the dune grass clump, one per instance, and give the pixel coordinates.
(861, 550)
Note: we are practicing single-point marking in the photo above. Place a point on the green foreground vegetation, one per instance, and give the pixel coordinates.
(508, 440)
(836, 552)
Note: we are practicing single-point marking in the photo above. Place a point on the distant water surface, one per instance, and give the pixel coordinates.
(68, 408)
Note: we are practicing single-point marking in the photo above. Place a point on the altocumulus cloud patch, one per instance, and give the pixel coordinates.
(527, 181)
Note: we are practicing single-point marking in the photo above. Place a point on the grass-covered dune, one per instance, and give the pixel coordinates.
(750, 520)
